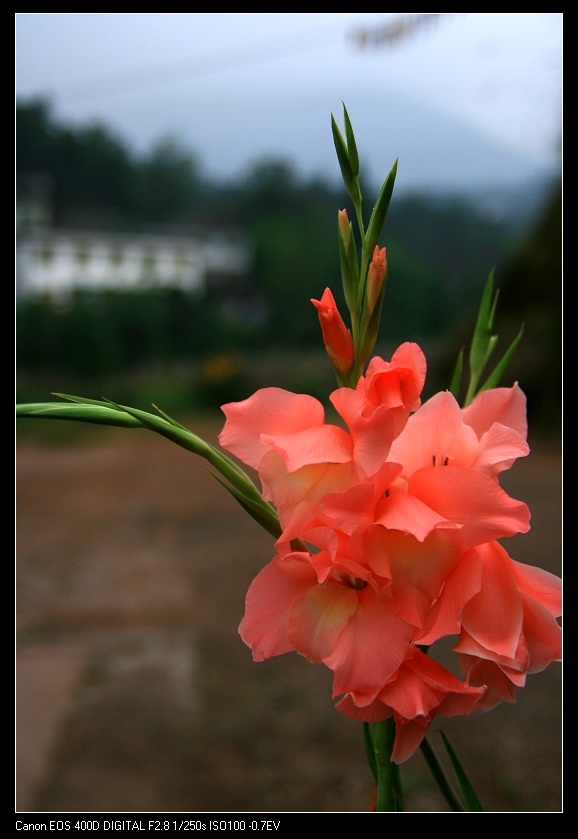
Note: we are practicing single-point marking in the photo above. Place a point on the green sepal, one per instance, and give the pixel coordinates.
(456, 382)
(481, 343)
(82, 400)
(389, 792)
(96, 413)
(494, 378)
(89, 410)
(370, 749)
(379, 214)
(168, 419)
(262, 512)
(371, 328)
(440, 776)
(182, 437)
(484, 343)
(349, 269)
(351, 144)
(349, 179)
(469, 794)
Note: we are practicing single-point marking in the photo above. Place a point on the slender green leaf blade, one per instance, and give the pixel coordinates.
(84, 401)
(98, 414)
(262, 513)
(457, 376)
(440, 776)
(351, 144)
(493, 379)
(379, 213)
(472, 799)
(168, 419)
(370, 749)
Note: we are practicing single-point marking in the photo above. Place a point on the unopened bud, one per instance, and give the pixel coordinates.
(375, 277)
(336, 336)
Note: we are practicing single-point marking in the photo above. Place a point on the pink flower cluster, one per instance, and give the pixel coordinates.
(389, 543)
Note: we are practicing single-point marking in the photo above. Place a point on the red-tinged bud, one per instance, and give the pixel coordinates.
(336, 337)
(375, 277)
(344, 227)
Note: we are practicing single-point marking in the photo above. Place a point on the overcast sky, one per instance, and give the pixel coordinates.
(201, 77)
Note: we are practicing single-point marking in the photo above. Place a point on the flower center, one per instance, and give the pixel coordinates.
(440, 460)
(353, 582)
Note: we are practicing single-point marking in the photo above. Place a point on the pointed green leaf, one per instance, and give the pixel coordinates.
(168, 419)
(370, 749)
(351, 144)
(379, 214)
(237, 476)
(440, 776)
(371, 328)
(349, 270)
(98, 414)
(472, 799)
(349, 178)
(83, 401)
(262, 513)
(493, 379)
(88, 410)
(457, 376)
(483, 329)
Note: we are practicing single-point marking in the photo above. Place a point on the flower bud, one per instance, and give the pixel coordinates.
(375, 277)
(344, 227)
(336, 336)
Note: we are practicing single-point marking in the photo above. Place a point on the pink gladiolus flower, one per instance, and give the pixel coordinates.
(336, 337)
(487, 437)
(300, 458)
(400, 511)
(508, 629)
(419, 690)
(341, 623)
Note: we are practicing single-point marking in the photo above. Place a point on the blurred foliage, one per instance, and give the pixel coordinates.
(530, 292)
(440, 251)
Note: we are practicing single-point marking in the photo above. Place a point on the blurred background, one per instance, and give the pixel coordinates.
(176, 204)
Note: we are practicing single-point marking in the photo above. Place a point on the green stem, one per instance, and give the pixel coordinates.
(359, 217)
(440, 777)
(389, 795)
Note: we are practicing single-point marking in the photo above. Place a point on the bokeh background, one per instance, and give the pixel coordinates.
(176, 204)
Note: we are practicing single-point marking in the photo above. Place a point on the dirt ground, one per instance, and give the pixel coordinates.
(135, 692)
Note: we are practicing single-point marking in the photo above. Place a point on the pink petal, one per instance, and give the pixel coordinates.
(408, 737)
(411, 515)
(372, 432)
(499, 449)
(472, 500)
(463, 582)
(494, 616)
(435, 435)
(542, 634)
(506, 406)
(323, 444)
(319, 617)
(375, 711)
(269, 411)
(268, 603)
(396, 384)
(500, 683)
(371, 647)
(542, 586)
(517, 664)
(417, 570)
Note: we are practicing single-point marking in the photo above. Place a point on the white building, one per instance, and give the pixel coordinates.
(55, 261)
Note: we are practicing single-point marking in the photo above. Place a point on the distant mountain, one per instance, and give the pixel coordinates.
(436, 152)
